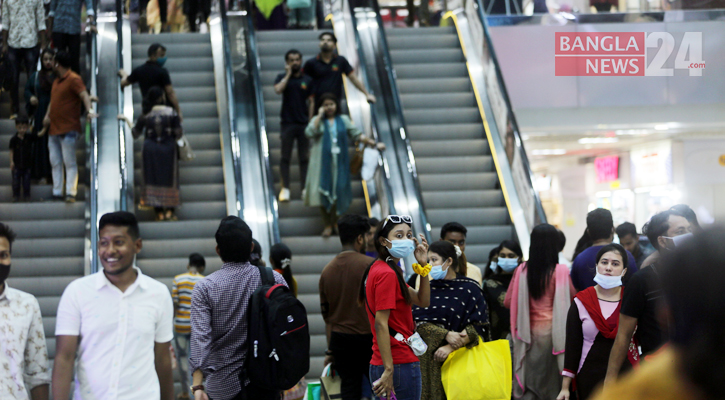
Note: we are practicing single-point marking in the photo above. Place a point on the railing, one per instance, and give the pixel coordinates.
(376, 43)
(252, 67)
(125, 107)
(92, 156)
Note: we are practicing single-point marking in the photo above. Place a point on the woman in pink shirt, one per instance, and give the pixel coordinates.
(539, 297)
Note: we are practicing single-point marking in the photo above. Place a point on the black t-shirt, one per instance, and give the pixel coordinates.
(22, 150)
(642, 299)
(148, 75)
(294, 106)
(327, 78)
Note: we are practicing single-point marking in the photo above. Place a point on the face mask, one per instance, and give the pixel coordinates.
(508, 264)
(4, 272)
(493, 265)
(608, 282)
(437, 272)
(401, 248)
(161, 61)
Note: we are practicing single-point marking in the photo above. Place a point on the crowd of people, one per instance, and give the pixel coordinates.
(387, 337)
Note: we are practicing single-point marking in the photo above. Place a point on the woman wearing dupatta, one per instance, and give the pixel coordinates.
(539, 297)
(328, 183)
(456, 317)
(591, 326)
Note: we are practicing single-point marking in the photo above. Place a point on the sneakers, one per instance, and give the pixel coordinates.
(70, 199)
(284, 195)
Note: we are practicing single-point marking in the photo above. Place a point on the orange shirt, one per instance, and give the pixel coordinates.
(65, 104)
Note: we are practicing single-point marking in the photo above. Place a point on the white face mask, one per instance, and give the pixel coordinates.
(608, 282)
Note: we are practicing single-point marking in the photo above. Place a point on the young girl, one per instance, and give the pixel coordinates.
(394, 367)
(280, 257)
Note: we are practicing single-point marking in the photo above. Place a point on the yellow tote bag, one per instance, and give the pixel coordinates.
(480, 373)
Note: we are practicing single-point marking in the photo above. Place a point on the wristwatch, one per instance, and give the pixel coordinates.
(197, 387)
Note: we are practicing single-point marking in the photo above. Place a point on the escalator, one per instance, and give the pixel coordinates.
(300, 227)
(167, 244)
(457, 175)
(51, 246)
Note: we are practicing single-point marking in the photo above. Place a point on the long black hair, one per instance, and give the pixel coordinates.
(447, 250)
(281, 257)
(543, 257)
(153, 97)
(382, 232)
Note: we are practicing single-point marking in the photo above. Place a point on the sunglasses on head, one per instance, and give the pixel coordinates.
(398, 219)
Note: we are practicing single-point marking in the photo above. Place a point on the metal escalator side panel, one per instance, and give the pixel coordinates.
(514, 174)
(260, 203)
(91, 242)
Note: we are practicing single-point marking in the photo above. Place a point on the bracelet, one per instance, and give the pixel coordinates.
(197, 387)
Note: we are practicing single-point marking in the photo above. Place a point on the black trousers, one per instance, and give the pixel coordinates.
(252, 392)
(290, 133)
(21, 178)
(192, 8)
(19, 58)
(70, 44)
(352, 361)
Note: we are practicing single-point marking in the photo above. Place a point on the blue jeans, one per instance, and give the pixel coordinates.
(407, 381)
(182, 345)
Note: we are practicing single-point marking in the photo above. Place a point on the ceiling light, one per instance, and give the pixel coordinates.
(661, 127)
(596, 140)
(548, 152)
(623, 132)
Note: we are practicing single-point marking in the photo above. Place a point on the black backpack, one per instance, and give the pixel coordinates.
(278, 352)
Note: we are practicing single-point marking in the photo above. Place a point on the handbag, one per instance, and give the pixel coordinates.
(292, 4)
(480, 373)
(356, 162)
(297, 392)
(331, 384)
(185, 151)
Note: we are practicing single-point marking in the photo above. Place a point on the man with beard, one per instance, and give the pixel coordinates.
(118, 321)
(348, 330)
(25, 357)
(326, 71)
(296, 90)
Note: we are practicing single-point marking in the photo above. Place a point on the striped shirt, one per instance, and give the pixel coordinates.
(181, 289)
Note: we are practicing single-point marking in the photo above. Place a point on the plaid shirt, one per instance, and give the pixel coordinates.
(219, 323)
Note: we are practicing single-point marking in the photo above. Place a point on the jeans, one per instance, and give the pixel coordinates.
(352, 360)
(290, 133)
(21, 177)
(407, 381)
(17, 58)
(62, 149)
(302, 17)
(70, 44)
(182, 345)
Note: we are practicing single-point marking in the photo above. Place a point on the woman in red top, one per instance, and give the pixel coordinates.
(394, 368)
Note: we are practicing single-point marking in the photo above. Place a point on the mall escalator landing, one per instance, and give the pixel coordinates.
(300, 226)
(457, 175)
(168, 244)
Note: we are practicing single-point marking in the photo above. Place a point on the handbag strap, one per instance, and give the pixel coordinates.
(391, 331)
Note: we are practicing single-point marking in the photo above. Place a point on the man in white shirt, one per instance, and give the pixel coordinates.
(119, 322)
(23, 355)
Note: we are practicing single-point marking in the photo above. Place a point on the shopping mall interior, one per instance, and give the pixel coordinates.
(479, 125)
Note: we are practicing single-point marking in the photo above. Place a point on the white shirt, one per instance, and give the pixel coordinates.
(117, 332)
(23, 355)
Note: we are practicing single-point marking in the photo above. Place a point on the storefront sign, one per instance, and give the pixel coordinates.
(607, 168)
(652, 164)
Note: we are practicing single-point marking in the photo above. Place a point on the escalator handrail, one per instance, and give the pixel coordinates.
(229, 78)
(392, 87)
(93, 153)
(540, 214)
(123, 165)
(254, 69)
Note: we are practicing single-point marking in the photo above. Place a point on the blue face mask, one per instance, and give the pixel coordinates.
(437, 272)
(401, 248)
(508, 264)
(161, 60)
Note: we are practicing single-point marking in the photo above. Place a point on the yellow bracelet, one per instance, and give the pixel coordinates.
(421, 270)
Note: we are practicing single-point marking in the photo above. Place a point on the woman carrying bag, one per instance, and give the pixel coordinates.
(456, 316)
